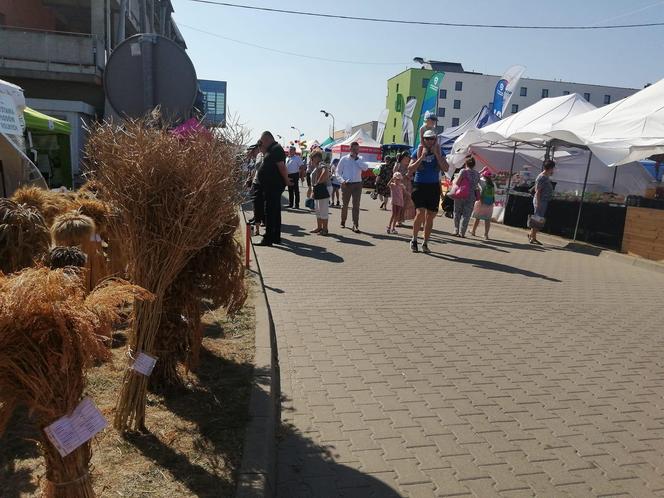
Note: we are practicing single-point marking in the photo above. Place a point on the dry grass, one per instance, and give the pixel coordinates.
(49, 338)
(24, 237)
(50, 204)
(169, 196)
(193, 451)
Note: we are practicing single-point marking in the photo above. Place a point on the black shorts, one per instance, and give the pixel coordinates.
(426, 195)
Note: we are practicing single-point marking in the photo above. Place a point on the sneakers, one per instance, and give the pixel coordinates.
(388, 230)
(394, 232)
(425, 249)
(413, 246)
(356, 229)
(343, 224)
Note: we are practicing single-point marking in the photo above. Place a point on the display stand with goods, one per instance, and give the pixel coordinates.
(49, 337)
(169, 196)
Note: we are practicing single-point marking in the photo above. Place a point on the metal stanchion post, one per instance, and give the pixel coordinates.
(247, 245)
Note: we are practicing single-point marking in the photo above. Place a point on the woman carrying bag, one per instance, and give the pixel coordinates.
(320, 178)
(464, 193)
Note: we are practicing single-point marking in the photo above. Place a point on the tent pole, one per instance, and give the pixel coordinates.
(615, 173)
(509, 182)
(583, 194)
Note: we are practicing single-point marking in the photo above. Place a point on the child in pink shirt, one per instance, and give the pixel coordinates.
(397, 190)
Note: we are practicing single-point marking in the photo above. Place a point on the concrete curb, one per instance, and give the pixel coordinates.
(592, 250)
(257, 475)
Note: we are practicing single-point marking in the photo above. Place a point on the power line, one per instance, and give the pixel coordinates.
(425, 23)
(294, 54)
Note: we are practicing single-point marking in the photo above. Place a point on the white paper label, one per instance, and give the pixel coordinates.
(9, 117)
(71, 431)
(144, 363)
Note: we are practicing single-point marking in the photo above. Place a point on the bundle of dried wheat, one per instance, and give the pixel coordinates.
(170, 195)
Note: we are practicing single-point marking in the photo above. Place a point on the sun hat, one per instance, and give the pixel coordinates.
(429, 134)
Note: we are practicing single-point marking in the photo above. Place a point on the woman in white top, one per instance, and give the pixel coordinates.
(320, 178)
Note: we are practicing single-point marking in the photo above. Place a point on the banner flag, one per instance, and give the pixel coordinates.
(505, 88)
(382, 119)
(430, 102)
(408, 128)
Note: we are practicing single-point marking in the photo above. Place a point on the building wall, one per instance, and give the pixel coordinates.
(476, 91)
(406, 84)
(27, 14)
(370, 128)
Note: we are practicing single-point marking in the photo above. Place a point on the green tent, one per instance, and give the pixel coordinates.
(50, 138)
(36, 121)
(328, 141)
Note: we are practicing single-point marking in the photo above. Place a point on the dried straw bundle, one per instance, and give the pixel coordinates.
(48, 339)
(98, 210)
(171, 194)
(50, 204)
(76, 229)
(216, 273)
(65, 256)
(24, 238)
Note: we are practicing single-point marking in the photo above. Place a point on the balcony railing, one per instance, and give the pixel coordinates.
(57, 51)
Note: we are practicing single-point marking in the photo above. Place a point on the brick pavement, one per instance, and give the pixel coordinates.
(483, 369)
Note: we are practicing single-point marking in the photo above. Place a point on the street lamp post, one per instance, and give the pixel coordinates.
(328, 115)
(299, 136)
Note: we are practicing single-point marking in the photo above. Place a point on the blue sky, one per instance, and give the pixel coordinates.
(275, 91)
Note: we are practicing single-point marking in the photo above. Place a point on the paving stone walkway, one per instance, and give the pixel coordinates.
(484, 369)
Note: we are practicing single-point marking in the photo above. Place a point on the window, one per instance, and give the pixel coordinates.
(545, 93)
(607, 99)
(515, 108)
(524, 91)
(566, 92)
(586, 96)
(458, 86)
(425, 82)
(440, 129)
(395, 122)
(441, 112)
(442, 94)
(457, 104)
(455, 121)
(394, 139)
(397, 87)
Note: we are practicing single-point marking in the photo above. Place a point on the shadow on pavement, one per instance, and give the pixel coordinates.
(347, 240)
(293, 230)
(19, 442)
(308, 470)
(491, 265)
(309, 251)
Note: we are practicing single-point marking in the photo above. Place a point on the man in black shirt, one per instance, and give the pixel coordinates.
(273, 178)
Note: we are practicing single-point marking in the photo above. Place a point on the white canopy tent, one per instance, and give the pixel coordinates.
(370, 149)
(529, 125)
(628, 130)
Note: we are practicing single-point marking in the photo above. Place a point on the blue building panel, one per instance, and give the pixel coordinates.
(214, 101)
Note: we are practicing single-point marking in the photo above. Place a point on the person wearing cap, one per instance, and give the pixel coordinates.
(349, 172)
(483, 209)
(426, 188)
(295, 168)
(430, 122)
(543, 194)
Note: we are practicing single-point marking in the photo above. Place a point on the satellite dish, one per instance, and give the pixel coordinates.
(149, 70)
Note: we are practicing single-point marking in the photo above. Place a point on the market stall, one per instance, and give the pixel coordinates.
(48, 141)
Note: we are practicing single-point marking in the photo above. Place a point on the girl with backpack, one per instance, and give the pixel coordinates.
(483, 209)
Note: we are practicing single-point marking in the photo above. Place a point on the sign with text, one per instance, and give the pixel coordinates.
(10, 122)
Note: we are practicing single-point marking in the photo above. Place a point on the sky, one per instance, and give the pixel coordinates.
(274, 91)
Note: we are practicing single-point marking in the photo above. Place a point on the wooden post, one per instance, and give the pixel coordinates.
(247, 245)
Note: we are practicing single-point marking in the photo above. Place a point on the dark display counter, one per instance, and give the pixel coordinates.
(601, 223)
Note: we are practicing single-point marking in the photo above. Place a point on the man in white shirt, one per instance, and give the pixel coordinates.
(294, 165)
(349, 172)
